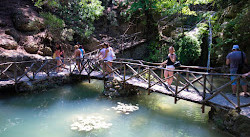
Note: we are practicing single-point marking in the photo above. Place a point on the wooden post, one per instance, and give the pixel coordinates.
(47, 68)
(187, 75)
(70, 66)
(33, 72)
(149, 80)
(104, 71)
(15, 75)
(162, 73)
(89, 70)
(176, 89)
(212, 80)
(204, 93)
(124, 75)
(238, 94)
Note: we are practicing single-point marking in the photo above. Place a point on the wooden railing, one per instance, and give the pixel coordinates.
(126, 70)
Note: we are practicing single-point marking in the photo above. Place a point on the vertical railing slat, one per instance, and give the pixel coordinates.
(176, 89)
(204, 92)
(149, 80)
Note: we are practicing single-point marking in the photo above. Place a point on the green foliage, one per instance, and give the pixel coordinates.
(189, 50)
(67, 34)
(50, 3)
(54, 24)
(154, 52)
(80, 15)
(189, 46)
(229, 31)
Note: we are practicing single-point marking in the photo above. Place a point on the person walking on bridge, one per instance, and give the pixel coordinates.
(77, 56)
(58, 58)
(102, 53)
(234, 59)
(108, 57)
(171, 58)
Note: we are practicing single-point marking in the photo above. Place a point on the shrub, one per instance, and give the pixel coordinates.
(189, 49)
(54, 24)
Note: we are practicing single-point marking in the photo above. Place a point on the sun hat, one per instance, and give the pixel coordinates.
(235, 47)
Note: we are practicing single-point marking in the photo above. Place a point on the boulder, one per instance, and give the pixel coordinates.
(31, 48)
(27, 20)
(12, 32)
(30, 44)
(8, 42)
(92, 44)
(3, 23)
(46, 51)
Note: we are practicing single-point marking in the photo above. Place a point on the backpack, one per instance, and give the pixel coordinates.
(82, 53)
(177, 62)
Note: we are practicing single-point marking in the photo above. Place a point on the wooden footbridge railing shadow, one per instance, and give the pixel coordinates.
(190, 85)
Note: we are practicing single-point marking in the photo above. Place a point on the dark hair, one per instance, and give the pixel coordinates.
(59, 47)
(107, 44)
(80, 47)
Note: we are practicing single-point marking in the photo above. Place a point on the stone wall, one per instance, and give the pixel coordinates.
(230, 121)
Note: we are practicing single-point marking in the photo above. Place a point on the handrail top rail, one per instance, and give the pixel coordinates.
(139, 63)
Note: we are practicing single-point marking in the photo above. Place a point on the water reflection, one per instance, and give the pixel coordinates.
(51, 113)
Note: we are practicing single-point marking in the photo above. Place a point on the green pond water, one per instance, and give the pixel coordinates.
(50, 114)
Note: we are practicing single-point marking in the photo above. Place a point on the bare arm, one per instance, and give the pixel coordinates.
(227, 62)
(106, 53)
(246, 74)
(164, 62)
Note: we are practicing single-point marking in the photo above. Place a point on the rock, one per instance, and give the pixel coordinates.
(3, 23)
(30, 44)
(92, 44)
(112, 90)
(40, 53)
(8, 42)
(232, 11)
(27, 20)
(31, 48)
(46, 51)
(12, 32)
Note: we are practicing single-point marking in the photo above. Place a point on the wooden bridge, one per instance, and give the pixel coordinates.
(189, 84)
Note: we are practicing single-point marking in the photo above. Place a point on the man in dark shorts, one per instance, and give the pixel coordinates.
(234, 59)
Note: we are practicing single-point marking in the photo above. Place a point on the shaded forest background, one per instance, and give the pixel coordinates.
(181, 23)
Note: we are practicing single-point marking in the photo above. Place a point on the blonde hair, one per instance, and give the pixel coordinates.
(172, 47)
(76, 47)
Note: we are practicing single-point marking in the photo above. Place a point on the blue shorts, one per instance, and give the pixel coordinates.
(57, 58)
(234, 71)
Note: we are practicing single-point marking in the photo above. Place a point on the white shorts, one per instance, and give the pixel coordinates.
(170, 67)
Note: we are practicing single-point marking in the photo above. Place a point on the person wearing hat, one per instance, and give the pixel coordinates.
(234, 59)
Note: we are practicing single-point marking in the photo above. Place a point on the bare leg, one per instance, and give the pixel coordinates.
(234, 88)
(166, 73)
(58, 64)
(109, 69)
(78, 65)
(170, 79)
(244, 87)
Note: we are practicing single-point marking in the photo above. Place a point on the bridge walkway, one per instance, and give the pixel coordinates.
(137, 73)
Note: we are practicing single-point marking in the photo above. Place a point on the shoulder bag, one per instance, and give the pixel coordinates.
(243, 67)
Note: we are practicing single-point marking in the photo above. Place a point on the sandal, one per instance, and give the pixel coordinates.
(246, 95)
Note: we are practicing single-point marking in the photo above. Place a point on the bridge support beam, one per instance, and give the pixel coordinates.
(204, 93)
(176, 89)
(149, 81)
